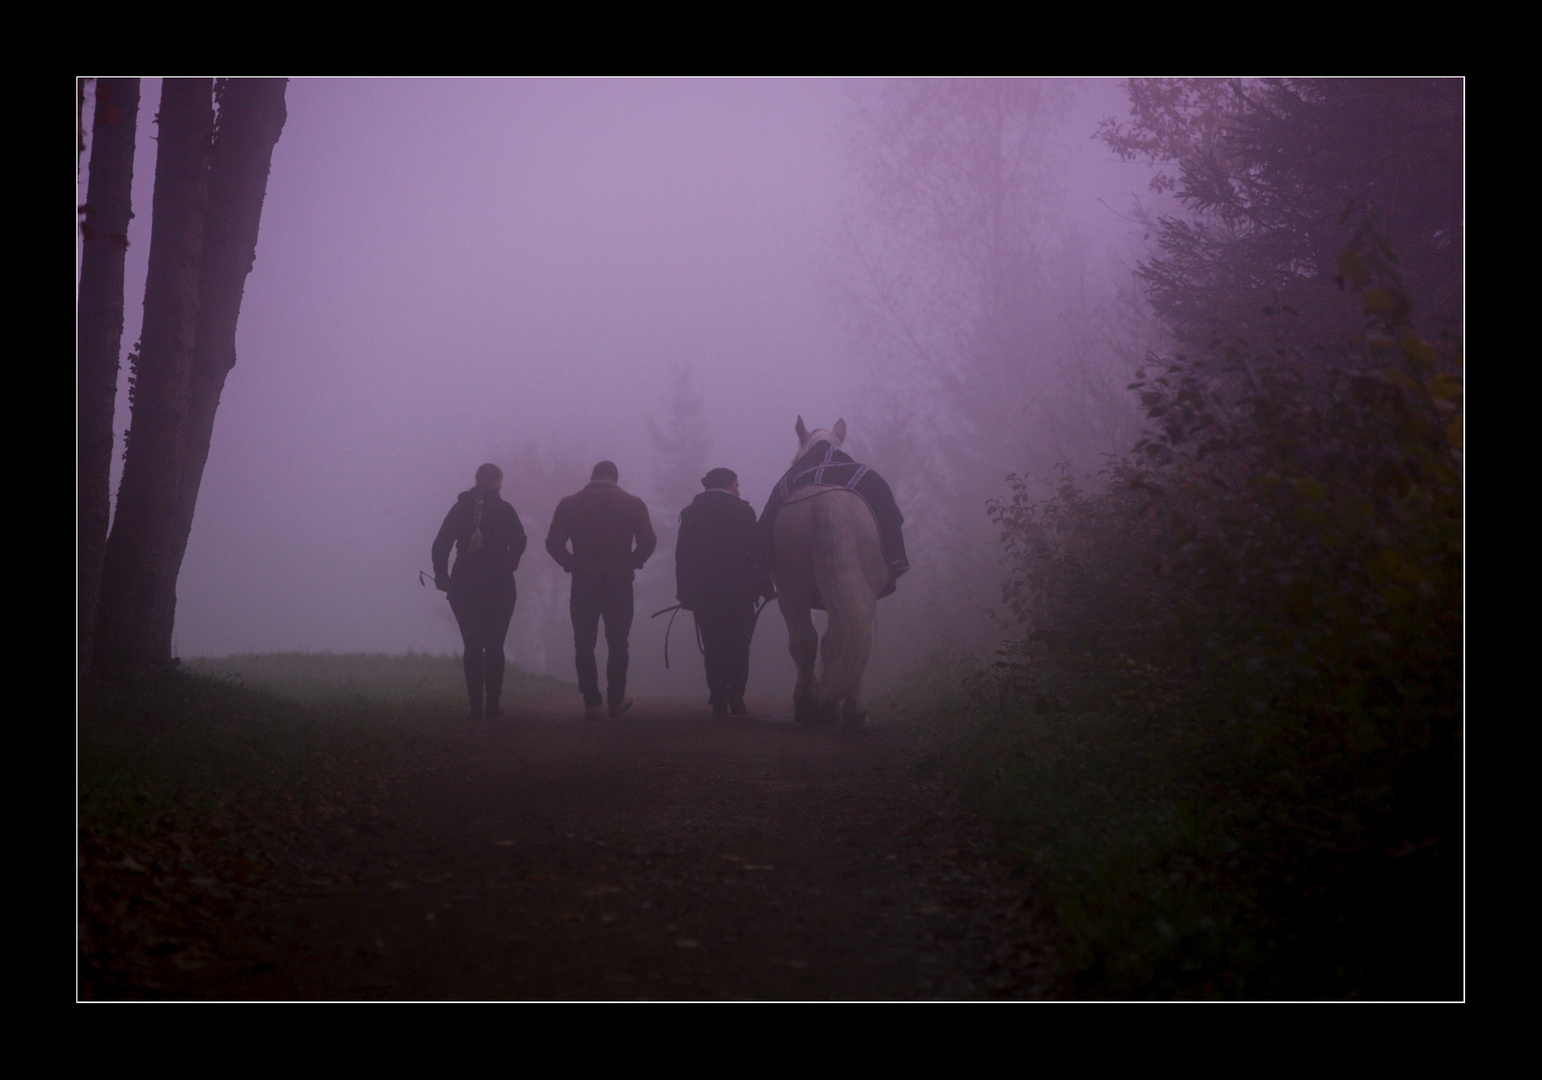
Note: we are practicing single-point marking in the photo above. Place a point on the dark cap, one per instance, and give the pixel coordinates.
(605, 470)
(719, 478)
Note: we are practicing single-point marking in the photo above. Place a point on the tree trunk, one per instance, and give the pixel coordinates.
(251, 116)
(99, 334)
(139, 571)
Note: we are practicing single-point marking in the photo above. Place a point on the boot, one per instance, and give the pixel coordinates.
(474, 684)
(493, 684)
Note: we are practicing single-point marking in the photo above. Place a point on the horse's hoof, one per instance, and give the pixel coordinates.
(805, 711)
(853, 721)
(817, 714)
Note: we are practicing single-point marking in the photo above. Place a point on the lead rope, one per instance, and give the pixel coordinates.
(699, 643)
(670, 626)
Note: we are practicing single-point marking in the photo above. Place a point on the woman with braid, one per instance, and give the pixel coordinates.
(489, 540)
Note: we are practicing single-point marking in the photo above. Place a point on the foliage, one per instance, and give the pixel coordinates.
(1268, 174)
(1268, 592)
(1225, 727)
(1169, 120)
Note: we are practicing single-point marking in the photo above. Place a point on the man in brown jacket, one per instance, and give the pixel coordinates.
(612, 539)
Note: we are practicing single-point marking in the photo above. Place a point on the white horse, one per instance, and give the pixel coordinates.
(825, 545)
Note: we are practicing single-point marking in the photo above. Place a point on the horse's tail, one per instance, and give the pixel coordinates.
(848, 596)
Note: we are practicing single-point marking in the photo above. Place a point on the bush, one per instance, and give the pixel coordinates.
(1266, 599)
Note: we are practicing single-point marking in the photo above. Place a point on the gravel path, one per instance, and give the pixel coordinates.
(540, 857)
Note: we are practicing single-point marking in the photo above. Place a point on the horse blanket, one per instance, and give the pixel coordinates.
(825, 464)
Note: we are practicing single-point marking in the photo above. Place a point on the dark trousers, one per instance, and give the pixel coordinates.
(725, 641)
(597, 596)
(483, 618)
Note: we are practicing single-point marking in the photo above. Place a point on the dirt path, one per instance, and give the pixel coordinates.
(661, 856)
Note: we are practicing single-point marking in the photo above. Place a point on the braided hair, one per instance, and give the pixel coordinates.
(489, 476)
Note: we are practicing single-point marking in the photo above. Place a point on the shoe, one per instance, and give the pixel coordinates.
(619, 707)
(593, 712)
(737, 707)
(719, 711)
(493, 712)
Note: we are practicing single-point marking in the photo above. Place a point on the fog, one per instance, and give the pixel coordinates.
(525, 272)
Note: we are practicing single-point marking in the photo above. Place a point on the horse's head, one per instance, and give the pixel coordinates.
(806, 438)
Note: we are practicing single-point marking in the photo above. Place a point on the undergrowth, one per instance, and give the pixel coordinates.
(1186, 851)
(1225, 725)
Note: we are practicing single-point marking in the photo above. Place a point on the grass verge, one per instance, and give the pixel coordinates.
(1187, 850)
(202, 794)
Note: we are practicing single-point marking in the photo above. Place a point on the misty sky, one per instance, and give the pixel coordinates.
(449, 269)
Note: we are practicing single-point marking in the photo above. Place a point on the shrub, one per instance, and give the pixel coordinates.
(1268, 590)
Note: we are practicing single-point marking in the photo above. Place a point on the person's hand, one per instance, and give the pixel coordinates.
(441, 583)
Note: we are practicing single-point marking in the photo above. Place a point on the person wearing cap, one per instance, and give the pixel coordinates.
(488, 540)
(611, 537)
(720, 572)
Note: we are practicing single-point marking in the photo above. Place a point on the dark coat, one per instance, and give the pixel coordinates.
(718, 559)
(491, 567)
(609, 529)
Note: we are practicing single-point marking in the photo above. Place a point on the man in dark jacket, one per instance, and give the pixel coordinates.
(719, 574)
(612, 539)
(489, 540)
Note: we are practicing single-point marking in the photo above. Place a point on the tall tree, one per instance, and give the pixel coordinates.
(210, 184)
(251, 115)
(138, 598)
(99, 332)
(968, 295)
(1276, 178)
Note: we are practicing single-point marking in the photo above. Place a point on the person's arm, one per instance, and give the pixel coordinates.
(557, 538)
(646, 540)
(518, 541)
(757, 570)
(441, 550)
(686, 563)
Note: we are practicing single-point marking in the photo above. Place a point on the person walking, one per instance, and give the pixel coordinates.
(489, 540)
(612, 538)
(720, 572)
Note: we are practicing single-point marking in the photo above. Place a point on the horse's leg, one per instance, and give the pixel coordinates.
(854, 711)
(831, 647)
(803, 643)
(847, 646)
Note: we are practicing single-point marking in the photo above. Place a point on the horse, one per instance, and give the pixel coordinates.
(825, 546)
